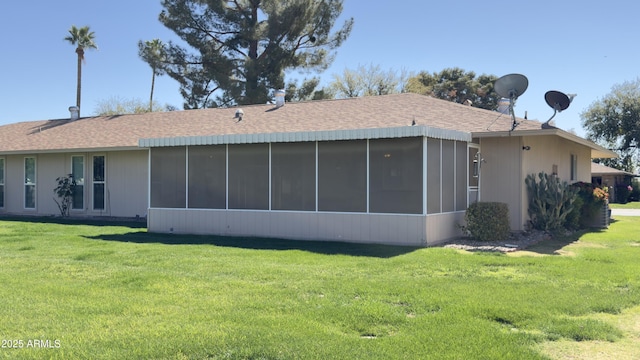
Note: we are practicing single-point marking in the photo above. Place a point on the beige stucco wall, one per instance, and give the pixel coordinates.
(126, 172)
(127, 183)
(547, 151)
(414, 230)
(501, 175)
(507, 164)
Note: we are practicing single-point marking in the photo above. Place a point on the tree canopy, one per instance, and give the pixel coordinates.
(367, 81)
(153, 52)
(614, 122)
(238, 51)
(120, 106)
(457, 85)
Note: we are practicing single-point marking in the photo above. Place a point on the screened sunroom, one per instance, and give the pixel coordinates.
(407, 185)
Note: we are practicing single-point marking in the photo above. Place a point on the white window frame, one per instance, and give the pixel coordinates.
(2, 172)
(30, 183)
(79, 182)
(573, 170)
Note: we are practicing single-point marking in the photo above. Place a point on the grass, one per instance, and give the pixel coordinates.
(629, 205)
(114, 291)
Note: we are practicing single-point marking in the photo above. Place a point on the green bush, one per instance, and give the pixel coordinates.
(487, 221)
(635, 193)
(550, 201)
(588, 203)
(573, 220)
(622, 193)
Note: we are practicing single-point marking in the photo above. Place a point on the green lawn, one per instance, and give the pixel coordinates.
(629, 205)
(113, 291)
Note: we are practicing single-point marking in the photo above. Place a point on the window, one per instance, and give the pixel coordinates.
(249, 176)
(77, 172)
(395, 167)
(1, 182)
(98, 182)
(30, 183)
(474, 166)
(168, 177)
(208, 177)
(293, 176)
(342, 176)
(461, 176)
(574, 167)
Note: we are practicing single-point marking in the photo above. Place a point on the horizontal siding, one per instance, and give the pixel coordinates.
(359, 228)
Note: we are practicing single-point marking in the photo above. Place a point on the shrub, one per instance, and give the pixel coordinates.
(550, 201)
(635, 192)
(65, 190)
(591, 200)
(487, 221)
(622, 193)
(574, 218)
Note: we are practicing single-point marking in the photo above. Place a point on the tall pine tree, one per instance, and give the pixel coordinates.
(238, 51)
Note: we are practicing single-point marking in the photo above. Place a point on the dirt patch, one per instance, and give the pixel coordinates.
(517, 241)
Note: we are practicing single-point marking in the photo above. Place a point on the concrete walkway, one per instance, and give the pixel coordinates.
(625, 212)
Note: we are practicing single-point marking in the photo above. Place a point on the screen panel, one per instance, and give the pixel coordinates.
(395, 176)
(342, 176)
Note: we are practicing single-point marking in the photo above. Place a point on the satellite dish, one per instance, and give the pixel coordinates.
(511, 86)
(558, 101)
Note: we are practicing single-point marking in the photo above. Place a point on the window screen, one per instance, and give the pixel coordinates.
(395, 176)
(293, 176)
(249, 176)
(448, 176)
(342, 176)
(168, 180)
(433, 176)
(207, 177)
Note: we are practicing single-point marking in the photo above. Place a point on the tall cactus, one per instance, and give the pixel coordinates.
(550, 201)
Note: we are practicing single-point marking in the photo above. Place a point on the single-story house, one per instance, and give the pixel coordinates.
(394, 169)
(605, 176)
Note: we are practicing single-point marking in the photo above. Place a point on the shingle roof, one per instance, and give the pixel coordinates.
(124, 131)
(600, 169)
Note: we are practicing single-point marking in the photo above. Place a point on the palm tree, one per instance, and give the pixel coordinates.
(153, 52)
(83, 39)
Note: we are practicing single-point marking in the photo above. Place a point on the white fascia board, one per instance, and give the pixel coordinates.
(328, 135)
(597, 151)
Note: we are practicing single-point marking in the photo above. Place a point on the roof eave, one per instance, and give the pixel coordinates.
(328, 135)
(70, 151)
(597, 151)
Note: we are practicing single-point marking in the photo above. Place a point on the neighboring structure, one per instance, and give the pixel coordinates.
(605, 176)
(396, 169)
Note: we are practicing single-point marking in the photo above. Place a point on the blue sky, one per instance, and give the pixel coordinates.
(559, 45)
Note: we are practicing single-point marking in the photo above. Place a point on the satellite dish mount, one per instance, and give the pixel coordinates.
(511, 86)
(558, 101)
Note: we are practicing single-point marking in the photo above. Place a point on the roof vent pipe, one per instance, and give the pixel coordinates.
(75, 112)
(280, 98)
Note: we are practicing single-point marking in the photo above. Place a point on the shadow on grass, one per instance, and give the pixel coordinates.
(96, 221)
(256, 243)
(559, 241)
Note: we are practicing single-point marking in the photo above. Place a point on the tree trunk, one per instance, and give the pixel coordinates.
(80, 52)
(251, 73)
(153, 81)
